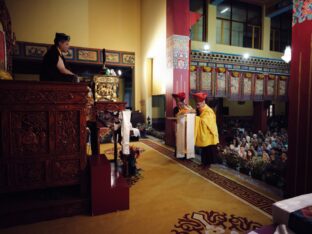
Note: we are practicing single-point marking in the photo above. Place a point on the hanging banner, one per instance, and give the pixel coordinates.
(259, 87)
(270, 87)
(282, 87)
(247, 86)
(206, 80)
(235, 85)
(220, 82)
(193, 78)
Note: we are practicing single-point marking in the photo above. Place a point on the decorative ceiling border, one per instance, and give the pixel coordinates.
(238, 63)
(36, 51)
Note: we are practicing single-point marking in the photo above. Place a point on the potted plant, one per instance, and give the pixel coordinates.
(244, 166)
(273, 174)
(219, 156)
(272, 178)
(232, 160)
(257, 167)
(130, 161)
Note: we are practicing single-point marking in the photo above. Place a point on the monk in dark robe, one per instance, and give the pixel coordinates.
(54, 66)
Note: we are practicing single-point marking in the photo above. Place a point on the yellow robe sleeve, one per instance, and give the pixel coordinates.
(185, 110)
(209, 120)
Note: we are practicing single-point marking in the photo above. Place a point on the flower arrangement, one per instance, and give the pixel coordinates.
(220, 155)
(135, 151)
(232, 160)
(244, 166)
(142, 129)
(130, 161)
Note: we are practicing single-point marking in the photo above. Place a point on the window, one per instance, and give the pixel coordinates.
(239, 24)
(280, 32)
(198, 30)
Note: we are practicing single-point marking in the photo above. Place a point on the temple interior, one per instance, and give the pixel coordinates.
(156, 116)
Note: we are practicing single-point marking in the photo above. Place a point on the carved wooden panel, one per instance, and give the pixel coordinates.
(42, 134)
(28, 96)
(29, 173)
(29, 133)
(22, 92)
(66, 170)
(67, 131)
(110, 106)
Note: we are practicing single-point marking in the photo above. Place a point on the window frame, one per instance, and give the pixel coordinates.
(278, 29)
(204, 18)
(246, 24)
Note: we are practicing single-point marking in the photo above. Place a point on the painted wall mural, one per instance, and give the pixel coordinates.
(302, 10)
(87, 55)
(237, 63)
(234, 85)
(220, 83)
(247, 86)
(206, 80)
(270, 86)
(239, 79)
(35, 51)
(178, 52)
(259, 87)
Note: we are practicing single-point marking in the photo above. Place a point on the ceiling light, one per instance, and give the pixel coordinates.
(287, 54)
(206, 47)
(246, 56)
(224, 10)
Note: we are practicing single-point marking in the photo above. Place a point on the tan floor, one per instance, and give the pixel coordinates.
(227, 173)
(157, 201)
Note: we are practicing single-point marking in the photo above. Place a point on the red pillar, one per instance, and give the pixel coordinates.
(260, 118)
(178, 41)
(299, 171)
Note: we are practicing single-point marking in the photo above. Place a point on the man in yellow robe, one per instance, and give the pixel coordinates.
(206, 130)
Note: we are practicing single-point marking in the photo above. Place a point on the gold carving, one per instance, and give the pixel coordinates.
(106, 88)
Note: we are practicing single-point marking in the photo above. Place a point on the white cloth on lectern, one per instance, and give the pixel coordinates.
(185, 140)
(190, 141)
(180, 136)
(125, 131)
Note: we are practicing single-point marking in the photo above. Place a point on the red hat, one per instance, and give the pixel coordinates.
(199, 97)
(180, 96)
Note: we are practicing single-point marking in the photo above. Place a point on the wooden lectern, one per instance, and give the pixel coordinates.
(109, 190)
